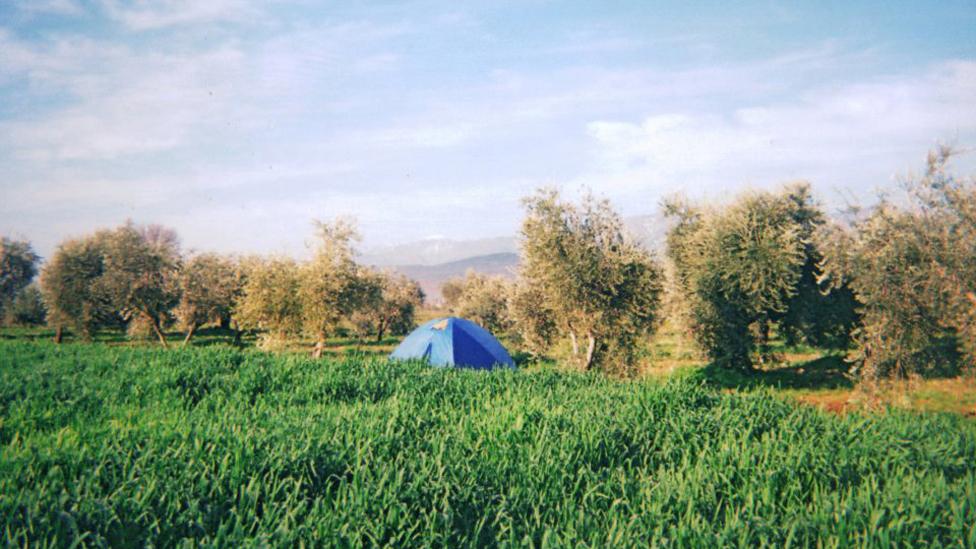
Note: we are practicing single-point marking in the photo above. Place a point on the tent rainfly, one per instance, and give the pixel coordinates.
(454, 342)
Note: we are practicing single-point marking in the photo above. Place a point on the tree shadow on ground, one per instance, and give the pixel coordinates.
(525, 359)
(351, 351)
(213, 335)
(826, 372)
(26, 333)
(373, 342)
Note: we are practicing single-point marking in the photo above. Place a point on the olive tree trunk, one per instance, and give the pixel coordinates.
(317, 351)
(590, 347)
(237, 333)
(189, 334)
(159, 331)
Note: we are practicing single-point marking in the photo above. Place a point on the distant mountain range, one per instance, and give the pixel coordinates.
(436, 251)
(433, 261)
(431, 277)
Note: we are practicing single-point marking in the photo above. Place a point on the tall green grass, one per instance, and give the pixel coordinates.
(139, 446)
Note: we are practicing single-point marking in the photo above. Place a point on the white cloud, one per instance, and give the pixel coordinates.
(137, 103)
(120, 100)
(239, 138)
(54, 7)
(856, 135)
(155, 14)
(284, 223)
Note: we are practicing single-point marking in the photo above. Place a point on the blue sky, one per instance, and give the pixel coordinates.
(238, 122)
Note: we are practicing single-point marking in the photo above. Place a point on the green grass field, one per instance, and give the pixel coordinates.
(136, 446)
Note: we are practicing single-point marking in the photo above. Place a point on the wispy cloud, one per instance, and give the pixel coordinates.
(136, 103)
(846, 136)
(56, 7)
(238, 121)
(155, 14)
(126, 100)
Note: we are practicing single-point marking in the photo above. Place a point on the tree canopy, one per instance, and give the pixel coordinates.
(390, 310)
(141, 273)
(480, 298)
(600, 289)
(18, 266)
(912, 266)
(70, 284)
(210, 286)
(742, 268)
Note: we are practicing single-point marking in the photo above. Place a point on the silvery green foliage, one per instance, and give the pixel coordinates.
(141, 273)
(749, 267)
(210, 286)
(480, 298)
(270, 300)
(598, 287)
(389, 305)
(532, 319)
(332, 285)
(26, 308)
(912, 266)
(69, 284)
(18, 266)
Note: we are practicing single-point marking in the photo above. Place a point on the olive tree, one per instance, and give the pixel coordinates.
(819, 315)
(912, 266)
(481, 298)
(270, 299)
(737, 269)
(600, 287)
(18, 266)
(750, 265)
(451, 291)
(210, 285)
(392, 308)
(332, 285)
(70, 285)
(141, 273)
(26, 308)
(532, 319)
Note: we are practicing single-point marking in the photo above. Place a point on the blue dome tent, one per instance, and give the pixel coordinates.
(454, 342)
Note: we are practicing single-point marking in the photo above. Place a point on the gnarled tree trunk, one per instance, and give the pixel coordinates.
(189, 334)
(590, 347)
(237, 333)
(317, 351)
(763, 337)
(159, 331)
